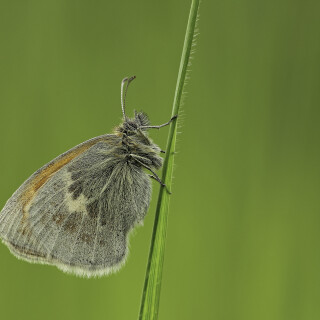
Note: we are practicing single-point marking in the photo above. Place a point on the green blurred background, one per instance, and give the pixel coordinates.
(243, 237)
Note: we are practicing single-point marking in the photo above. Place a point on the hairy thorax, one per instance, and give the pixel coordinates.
(136, 145)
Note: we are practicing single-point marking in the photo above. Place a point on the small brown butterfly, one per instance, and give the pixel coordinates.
(77, 211)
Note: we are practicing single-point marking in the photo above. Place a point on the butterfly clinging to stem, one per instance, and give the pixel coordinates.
(77, 211)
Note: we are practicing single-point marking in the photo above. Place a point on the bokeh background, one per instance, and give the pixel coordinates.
(243, 237)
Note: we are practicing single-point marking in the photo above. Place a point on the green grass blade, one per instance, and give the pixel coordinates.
(152, 286)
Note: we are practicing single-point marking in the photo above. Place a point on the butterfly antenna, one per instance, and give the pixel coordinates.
(124, 94)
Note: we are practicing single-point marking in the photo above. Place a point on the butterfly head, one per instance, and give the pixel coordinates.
(139, 122)
(136, 126)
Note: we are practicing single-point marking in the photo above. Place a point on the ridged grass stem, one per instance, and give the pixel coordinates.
(151, 293)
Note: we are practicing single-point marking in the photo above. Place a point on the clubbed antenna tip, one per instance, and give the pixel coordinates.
(125, 81)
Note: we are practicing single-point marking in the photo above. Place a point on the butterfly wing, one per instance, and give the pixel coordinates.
(77, 211)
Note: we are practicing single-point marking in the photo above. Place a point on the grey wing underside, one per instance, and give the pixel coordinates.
(80, 219)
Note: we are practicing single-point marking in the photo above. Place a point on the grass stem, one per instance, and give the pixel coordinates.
(151, 293)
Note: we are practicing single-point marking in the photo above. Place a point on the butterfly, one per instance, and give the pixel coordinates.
(77, 211)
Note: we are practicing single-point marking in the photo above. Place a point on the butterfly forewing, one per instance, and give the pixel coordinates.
(76, 212)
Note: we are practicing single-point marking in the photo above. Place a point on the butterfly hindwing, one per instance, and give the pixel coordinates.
(76, 212)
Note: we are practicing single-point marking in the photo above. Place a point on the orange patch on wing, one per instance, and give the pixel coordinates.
(42, 177)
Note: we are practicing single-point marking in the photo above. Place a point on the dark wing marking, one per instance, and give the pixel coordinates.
(76, 212)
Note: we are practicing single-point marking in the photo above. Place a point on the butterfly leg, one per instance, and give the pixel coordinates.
(161, 125)
(153, 175)
(156, 177)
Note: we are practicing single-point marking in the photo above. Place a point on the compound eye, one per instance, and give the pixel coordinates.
(130, 126)
(131, 133)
